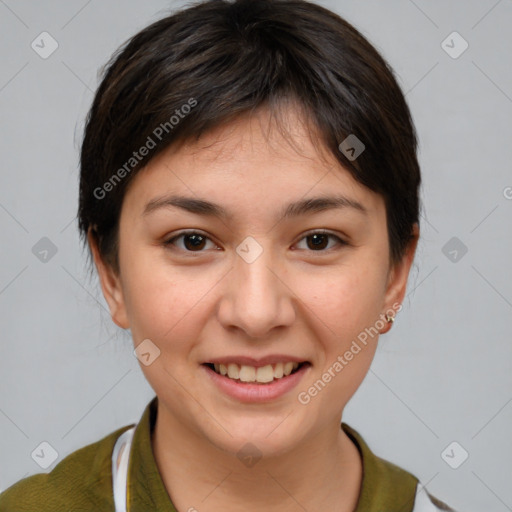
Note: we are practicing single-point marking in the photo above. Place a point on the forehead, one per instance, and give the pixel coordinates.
(255, 160)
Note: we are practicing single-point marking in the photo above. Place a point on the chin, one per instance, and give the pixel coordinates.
(270, 437)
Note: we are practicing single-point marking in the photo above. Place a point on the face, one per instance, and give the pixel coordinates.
(230, 262)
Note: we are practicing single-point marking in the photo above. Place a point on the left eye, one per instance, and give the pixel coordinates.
(319, 240)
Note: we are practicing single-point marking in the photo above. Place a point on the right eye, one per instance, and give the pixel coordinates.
(193, 241)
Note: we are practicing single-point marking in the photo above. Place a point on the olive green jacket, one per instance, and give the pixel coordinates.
(83, 480)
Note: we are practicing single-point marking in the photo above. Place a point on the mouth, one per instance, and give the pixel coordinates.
(247, 374)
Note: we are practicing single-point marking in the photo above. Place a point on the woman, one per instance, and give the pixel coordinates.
(249, 195)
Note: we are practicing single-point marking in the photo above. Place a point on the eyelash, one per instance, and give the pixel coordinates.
(341, 242)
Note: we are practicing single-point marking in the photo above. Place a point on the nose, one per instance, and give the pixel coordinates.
(256, 298)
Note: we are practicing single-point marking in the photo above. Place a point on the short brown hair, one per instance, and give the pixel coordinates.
(231, 58)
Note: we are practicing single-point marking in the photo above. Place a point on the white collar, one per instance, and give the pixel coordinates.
(120, 468)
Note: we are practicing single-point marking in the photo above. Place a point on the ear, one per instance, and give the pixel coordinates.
(110, 285)
(398, 275)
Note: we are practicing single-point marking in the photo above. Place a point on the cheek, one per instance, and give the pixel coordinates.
(346, 299)
(163, 303)
(347, 303)
(343, 310)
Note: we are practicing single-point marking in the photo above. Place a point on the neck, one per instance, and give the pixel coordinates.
(323, 473)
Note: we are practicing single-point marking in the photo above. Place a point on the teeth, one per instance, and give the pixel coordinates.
(233, 371)
(278, 371)
(287, 368)
(263, 374)
(247, 374)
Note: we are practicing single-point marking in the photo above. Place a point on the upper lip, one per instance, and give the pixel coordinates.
(251, 361)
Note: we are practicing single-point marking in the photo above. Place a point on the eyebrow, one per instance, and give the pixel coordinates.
(295, 209)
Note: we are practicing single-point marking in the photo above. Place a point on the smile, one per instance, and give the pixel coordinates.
(262, 374)
(268, 380)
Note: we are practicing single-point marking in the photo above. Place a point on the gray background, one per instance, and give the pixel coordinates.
(67, 373)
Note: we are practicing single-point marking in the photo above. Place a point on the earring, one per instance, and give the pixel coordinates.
(390, 319)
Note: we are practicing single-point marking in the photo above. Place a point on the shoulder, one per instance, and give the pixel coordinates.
(82, 480)
(386, 486)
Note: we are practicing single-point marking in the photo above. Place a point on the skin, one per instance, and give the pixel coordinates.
(293, 299)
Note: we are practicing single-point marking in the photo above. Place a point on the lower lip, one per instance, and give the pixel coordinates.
(252, 392)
